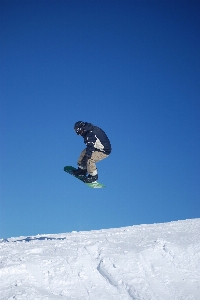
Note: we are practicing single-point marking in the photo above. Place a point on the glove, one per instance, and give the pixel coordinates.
(84, 160)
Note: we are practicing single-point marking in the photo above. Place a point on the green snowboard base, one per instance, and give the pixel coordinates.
(94, 185)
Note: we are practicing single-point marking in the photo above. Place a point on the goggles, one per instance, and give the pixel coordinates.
(78, 131)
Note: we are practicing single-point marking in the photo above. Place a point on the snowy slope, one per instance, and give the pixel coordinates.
(146, 262)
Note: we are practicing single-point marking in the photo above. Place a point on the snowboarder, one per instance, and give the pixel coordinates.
(97, 148)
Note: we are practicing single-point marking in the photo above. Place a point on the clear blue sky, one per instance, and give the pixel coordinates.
(129, 67)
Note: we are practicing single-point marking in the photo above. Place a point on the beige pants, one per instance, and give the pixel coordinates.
(91, 166)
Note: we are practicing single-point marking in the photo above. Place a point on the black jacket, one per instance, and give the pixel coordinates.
(95, 140)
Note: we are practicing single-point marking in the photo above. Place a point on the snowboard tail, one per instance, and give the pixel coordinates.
(70, 169)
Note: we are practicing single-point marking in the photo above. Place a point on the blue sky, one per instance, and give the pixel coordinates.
(129, 67)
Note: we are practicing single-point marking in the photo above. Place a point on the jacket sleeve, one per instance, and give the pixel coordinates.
(90, 142)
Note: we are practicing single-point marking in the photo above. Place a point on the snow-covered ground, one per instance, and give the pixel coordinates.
(146, 262)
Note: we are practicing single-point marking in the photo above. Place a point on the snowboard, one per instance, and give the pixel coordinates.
(93, 185)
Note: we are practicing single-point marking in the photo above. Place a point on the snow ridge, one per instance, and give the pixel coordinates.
(146, 262)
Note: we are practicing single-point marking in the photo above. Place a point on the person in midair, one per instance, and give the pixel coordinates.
(97, 148)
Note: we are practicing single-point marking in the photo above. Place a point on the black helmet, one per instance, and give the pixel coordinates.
(78, 126)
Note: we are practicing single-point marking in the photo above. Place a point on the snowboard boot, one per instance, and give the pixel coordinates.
(79, 172)
(90, 178)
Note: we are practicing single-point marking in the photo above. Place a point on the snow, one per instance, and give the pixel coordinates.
(144, 262)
